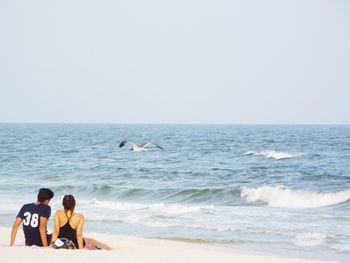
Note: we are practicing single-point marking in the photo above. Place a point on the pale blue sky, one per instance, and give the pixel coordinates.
(178, 61)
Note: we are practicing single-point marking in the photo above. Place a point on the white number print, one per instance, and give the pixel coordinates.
(35, 220)
(26, 221)
(32, 219)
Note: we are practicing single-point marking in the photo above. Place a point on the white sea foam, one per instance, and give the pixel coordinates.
(309, 239)
(280, 196)
(341, 247)
(161, 207)
(11, 205)
(277, 155)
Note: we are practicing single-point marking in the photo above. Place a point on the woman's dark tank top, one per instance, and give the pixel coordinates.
(66, 231)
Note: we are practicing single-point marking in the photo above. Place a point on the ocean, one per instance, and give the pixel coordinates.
(282, 189)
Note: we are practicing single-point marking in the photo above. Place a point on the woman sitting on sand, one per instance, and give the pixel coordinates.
(70, 226)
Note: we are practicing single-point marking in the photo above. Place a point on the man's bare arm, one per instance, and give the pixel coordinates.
(42, 230)
(15, 226)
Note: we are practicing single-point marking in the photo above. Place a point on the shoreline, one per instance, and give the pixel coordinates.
(137, 249)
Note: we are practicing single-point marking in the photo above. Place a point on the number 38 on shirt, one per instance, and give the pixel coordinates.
(32, 219)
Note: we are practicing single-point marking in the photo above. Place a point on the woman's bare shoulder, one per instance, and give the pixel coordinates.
(59, 212)
(79, 215)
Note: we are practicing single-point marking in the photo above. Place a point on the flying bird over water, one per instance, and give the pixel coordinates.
(139, 147)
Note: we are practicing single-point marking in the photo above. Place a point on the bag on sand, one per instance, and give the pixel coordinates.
(63, 243)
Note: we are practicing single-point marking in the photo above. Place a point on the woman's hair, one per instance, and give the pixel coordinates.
(68, 202)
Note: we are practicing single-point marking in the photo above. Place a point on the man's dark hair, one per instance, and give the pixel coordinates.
(68, 202)
(44, 194)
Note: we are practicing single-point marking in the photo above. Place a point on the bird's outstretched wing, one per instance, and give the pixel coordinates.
(159, 147)
(147, 143)
(123, 143)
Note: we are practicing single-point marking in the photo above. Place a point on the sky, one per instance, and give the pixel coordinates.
(183, 61)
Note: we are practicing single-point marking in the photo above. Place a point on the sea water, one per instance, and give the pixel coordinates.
(267, 188)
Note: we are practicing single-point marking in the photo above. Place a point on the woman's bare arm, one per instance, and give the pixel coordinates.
(56, 228)
(80, 232)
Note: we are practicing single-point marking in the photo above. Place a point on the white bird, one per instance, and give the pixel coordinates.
(138, 147)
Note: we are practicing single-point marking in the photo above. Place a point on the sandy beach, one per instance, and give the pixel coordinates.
(134, 249)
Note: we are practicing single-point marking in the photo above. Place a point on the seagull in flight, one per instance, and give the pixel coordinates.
(139, 147)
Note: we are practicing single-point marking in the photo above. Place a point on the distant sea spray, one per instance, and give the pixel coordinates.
(277, 155)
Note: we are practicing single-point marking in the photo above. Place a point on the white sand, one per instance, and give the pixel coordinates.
(132, 249)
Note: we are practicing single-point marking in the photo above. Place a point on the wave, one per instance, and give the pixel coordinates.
(200, 240)
(280, 196)
(205, 195)
(341, 247)
(277, 155)
(309, 239)
(157, 207)
(70, 151)
(96, 188)
(174, 195)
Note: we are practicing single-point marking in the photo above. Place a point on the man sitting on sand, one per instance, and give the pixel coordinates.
(34, 217)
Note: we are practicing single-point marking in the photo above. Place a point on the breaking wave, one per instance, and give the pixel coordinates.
(281, 196)
(309, 239)
(156, 207)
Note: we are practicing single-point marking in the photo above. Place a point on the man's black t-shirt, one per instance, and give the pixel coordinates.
(30, 214)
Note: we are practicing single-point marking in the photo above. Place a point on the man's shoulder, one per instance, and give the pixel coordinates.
(26, 208)
(29, 205)
(44, 206)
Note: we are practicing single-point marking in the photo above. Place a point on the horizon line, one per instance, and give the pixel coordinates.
(172, 123)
